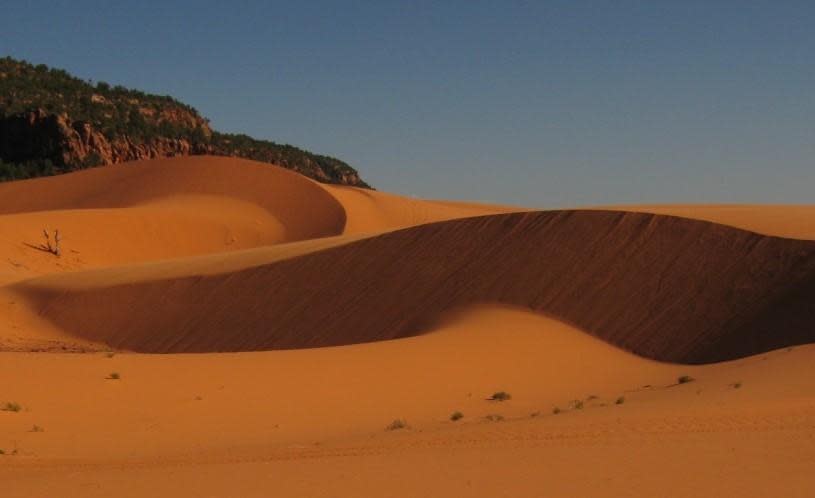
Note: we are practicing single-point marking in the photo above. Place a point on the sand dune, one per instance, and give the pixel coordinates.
(352, 308)
(300, 205)
(182, 216)
(180, 207)
(663, 287)
(154, 210)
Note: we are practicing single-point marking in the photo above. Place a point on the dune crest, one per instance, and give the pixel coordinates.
(301, 205)
(369, 211)
(790, 221)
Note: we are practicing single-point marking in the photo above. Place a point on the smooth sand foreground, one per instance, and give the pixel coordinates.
(144, 242)
(311, 422)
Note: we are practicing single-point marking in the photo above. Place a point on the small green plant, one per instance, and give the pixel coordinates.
(500, 396)
(396, 425)
(577, 404)
(620, 400)
(11, 406)
(456, 416)
(114, 376)
(684, 379)
(494, 417)
(556, 410)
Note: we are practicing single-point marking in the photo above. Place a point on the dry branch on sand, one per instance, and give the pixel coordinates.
(55, 247)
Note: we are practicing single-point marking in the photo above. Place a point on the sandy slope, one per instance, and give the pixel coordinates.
(303, 207)
(280, 397)
(183, 216)
(229, 254)
(149, 210)
(310, 422)
(792, 221)
(180, 207)
(170, 228)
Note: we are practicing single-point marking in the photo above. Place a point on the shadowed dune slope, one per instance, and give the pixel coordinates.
(303, 208)
(667, 288)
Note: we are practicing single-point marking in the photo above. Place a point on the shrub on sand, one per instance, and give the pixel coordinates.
(500, 396)
(11, 406)
(396, 425)
(684, 379)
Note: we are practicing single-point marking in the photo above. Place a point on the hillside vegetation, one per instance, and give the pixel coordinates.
(52, 122)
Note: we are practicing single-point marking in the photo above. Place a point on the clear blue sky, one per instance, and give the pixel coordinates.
(556, 103)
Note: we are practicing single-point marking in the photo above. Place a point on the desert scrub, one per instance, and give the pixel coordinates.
(500, 396)
(396, 425)
(494, 417)
(556, 410)
(684, 379)
(114, 376)
(577, 404)
(620, 400)
(37, 428)
(456, 416)
(11, 406)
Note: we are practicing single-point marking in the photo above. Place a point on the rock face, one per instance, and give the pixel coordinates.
(39, 135)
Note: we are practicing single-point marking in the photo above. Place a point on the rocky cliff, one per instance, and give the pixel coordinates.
(36, 134)
(51, 122)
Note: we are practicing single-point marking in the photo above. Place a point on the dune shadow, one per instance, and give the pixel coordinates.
(666, 288)
(40, 247)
